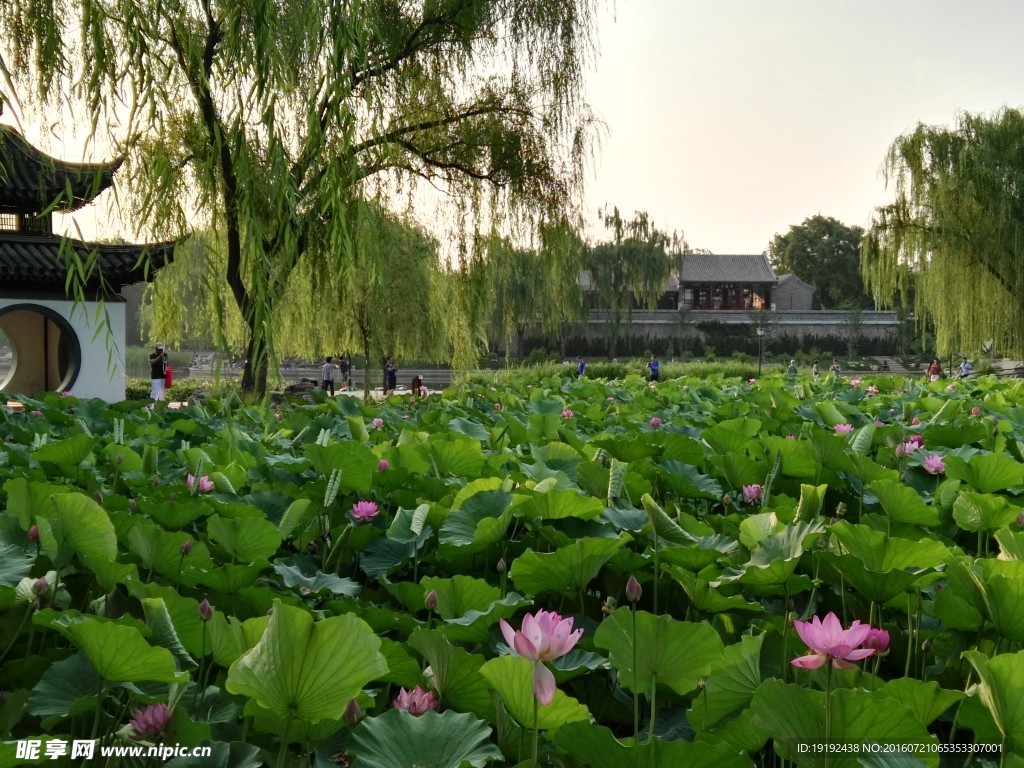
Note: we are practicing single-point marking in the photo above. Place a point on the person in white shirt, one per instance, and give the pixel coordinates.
(327, 377)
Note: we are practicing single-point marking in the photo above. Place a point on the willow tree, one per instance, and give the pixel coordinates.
(630, 269)
(263, 120)
(955, 232)
(536, 287)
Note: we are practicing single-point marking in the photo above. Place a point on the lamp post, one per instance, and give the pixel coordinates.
(760, 340)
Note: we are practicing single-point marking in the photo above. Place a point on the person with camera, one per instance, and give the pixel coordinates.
(158, 373)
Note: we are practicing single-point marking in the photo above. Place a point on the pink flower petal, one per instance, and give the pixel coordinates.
(543, 684)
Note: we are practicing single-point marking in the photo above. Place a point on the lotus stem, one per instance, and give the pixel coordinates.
(828, 711)
(654, 695)
(536, 730)
(636, 695)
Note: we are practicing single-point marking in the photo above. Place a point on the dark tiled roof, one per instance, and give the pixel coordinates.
(37, 262)
(31, 181)
(790, 277)
(713, 268)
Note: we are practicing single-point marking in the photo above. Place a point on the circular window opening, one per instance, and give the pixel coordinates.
(39, 351)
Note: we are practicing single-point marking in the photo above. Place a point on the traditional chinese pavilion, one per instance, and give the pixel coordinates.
(53, 342)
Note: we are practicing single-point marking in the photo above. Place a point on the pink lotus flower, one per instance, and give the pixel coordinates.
(844, 429)
(879, 423)
(905, 448)
(277, 416)
(364, 511)
(151, 722)
(933, 464)
(791, 436)
(377, 423)
(633, 589)
(975, 411)
(751, 381)
(917, 440)
(205, 610)
(567, 414)
(752, 493)
(915, 421)
(872, 390)
(382, 465)
(405, 417)
(830, 642)
(33, 533)
(352, 712)
(544, 636)
(655, 422)
(497, 406)
(877, 639)
(415, 702)
(204, 484)
(855, 383)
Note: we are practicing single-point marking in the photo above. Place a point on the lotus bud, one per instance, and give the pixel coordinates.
(501, 567)
(205, 610)
(41, 587)
(633, 589)
(926, 645)
(133, 504)
(382, 465)
(431, 600)
(1020, 520)
(186, 547)
(97, 497)
(352, 712)
(33, 533)
(119, 459)
(726, 500)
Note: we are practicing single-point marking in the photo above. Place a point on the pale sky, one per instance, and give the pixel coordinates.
(731, 120)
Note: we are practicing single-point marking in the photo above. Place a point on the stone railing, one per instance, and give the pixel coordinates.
(748, 317)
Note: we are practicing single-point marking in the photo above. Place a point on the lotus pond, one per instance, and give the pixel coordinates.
(560, 573)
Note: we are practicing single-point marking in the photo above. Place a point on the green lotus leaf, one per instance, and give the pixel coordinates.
(432, 740)
(595, 745)
(658, 640)
(175, 513)
(455, 458)
(983, 511)
(119, 654)
(707, 600)
(568, 569)
(903, 504)
(158, 618)
(74, 523)
(512, 677)
(688, 482)
(738, 470)
(123, 458)
(726, 440)
(812, 499)
(227, 577)
(454, 674)
(791, 715)
(682, 448)
(927, 700)
(986, 472)
(559, 504)
(27, 499)
(797, 457)
(956, 434)
(308, 670)
(64, 683)
(160, 550)
(731, 683)
(1002, 679)
(355, 462)
(403, 669)
(302, 575)
(222, 755)
(67, 453)
(831, 451)
(482, 519)
(244, 539)
(298, 512)
(867, 471)
(15, 563)
(883, 553)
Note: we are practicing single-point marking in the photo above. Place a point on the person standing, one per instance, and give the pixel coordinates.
(654, 368)
(327, 377)
(158, 373)
(581, 367)
(391, 374)
(816, 371)
(792, 369)
(834, 368)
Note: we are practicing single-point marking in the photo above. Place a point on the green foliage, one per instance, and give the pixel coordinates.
(956, 220)
(824, 253)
